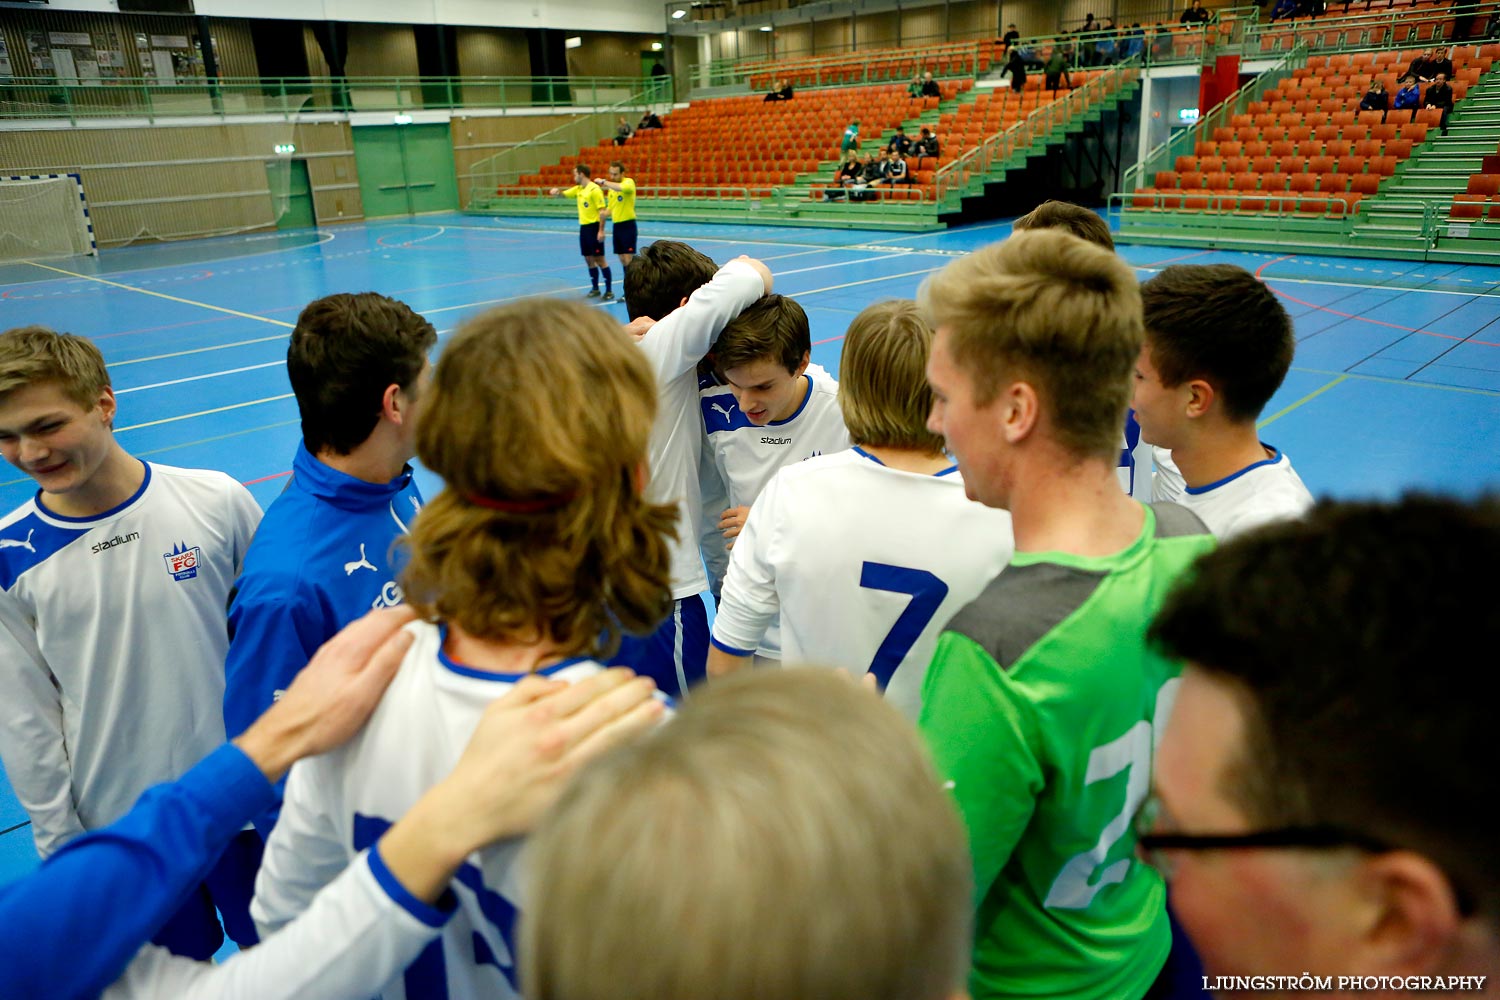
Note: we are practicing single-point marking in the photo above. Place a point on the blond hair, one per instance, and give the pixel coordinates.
(784, 836)
(542, 533)
(33, 355)
(1048, 308)
(883, 390)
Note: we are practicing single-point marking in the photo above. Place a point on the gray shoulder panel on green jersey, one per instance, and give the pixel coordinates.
(1174, 521)
(1023, 604)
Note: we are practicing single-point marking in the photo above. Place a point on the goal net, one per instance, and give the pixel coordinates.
(44, 215)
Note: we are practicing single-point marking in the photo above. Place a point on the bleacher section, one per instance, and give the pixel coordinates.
(747, 143)
(1364, 25)
(1304, 148)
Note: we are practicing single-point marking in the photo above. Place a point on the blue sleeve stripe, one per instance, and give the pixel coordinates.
(730, 649)
(433, 916)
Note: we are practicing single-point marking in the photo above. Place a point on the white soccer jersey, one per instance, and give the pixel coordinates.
(746, 456)
(865, 564)
(1166, 479)
(674, 347)
(1259, 494)
(112, 643)
(1134, 469)
(360, 932)
(340, 803)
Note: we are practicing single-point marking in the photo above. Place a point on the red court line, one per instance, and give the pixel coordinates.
(266, 479)
(1363, 319)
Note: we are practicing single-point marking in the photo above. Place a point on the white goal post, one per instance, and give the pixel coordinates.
(44, 215)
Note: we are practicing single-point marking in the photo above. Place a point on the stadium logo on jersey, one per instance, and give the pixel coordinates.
(117, 540)
(16, 543)
(360, 563)
(767, 439)
(183, 560)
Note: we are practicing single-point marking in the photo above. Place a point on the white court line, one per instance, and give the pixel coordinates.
(203, 413)
(841, 263)
(696, 239)
(440, 231)
(203, 263)
(200, 378)
(196, 350)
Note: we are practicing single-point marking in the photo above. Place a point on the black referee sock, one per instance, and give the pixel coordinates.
(608, 280)
(594, 277)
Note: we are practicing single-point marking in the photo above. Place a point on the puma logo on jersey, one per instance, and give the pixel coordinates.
(16, 543)
(360, 563)
(721, 410)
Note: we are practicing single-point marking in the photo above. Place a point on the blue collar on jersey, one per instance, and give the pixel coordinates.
(493, 675)
(941, 472)
(339, 488)
(805, 400)
(1198, 491)
(145, 481)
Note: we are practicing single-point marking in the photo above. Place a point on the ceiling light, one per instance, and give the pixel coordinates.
(679, 14)
(766, 27)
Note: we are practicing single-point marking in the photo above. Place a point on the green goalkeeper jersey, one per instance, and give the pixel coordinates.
(1041, 706)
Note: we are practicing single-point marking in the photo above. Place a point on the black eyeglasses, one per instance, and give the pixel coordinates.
(1313, 837)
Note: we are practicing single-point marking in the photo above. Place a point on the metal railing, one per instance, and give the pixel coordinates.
(1362, 30)
(948, 59)
(1239, 204)
(1182, 142)
(289, 97)
(536, 200)
(955, 177)
(503, 169)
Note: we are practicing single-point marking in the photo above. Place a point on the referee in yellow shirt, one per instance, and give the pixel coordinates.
(621, 212)
(593, 209)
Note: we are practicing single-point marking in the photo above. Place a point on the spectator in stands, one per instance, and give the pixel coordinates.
(1133, 41)
(1196, 14)
(1056, 69)
(1105, 51)
(1016, 70)
(848, 175)
(895, 168)
(1161, 42)
(1421, 67)
(1492, 29)
(914, 89)
(930, 86)
(774, 94)
(1376, 99)
(1408, 96)
(925, 146)
(899, 143)
(623, 132)
(648, 120)
(1441, 64)
(850, 141)
(1439, 96)
(874, 173)
(1011, 35)
(1284, 9)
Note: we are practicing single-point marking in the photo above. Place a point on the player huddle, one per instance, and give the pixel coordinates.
(945, 521)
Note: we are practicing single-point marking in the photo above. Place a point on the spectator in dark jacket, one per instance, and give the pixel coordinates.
(899, 142)
(648, 120)
(1161, 43)
(1284, 9)
(1376, 99)
(925, 146)
(1017, 70)
(849, 174)
(1439, 96)
(930, 86)
(1440, 63)
(1011, 34)
(1408, 96)
(1056, 70)
(1195, 14)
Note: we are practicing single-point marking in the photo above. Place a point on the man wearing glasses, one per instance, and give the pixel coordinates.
(1323, 789)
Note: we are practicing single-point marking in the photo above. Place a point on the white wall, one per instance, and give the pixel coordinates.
(641, 16)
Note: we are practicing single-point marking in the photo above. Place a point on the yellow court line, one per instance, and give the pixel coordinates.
(162, 295)
(1308, 398)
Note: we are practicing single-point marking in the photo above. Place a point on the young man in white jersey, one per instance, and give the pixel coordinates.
(113, 581)
(901, 547)
(542, 549)
(695, 300)
(1218, 344)
(773, 409)
(326, 551)
(785, 836)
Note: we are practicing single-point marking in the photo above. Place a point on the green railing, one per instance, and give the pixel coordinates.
(1181, 143)
(1362, 30)
(289, 97)
(538, 201)
(955, 178)
(503, 169)
(949, 59)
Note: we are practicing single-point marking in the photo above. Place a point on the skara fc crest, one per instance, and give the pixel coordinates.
(183, 560)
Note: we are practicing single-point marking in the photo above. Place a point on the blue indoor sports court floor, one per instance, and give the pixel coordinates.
(1396, 384)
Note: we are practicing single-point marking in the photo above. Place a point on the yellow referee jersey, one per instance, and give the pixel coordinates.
(590, 202)
(622, 202)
